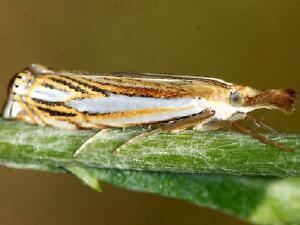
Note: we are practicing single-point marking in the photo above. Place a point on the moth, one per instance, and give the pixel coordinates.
(79, 100)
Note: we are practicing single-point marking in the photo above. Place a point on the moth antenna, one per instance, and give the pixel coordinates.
(260, 124)
(260, 137)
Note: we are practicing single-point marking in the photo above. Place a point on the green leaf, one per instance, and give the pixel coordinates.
(181, 160)
(187, 151)
(87, 176)
(254, 199)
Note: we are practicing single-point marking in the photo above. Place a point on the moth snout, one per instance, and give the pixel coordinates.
(282, 99)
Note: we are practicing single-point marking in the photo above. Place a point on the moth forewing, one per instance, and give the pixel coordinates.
(73, 100)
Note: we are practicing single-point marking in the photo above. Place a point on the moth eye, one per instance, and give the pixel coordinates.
(236, 99)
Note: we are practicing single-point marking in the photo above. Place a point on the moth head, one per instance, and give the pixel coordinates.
(246, 97)
(18, 87)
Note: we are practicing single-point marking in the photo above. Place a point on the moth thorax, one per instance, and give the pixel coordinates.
(21, 83)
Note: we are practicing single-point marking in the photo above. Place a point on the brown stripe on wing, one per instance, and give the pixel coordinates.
(56, 113)
(183, 77)
(59, 80)
(88, 87)
(45, 81)
(135, 82)
(59, 107)
(47, 85)
(70, 85)
(215, 82)
(36, 112)
(60, 112)
(155, 91)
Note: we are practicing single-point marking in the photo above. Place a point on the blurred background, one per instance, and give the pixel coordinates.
(248, 42)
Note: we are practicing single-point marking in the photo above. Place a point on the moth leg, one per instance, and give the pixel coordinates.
(177, 125)
(260, 137)
(258, 123)
(82, 148)
(212, 125)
